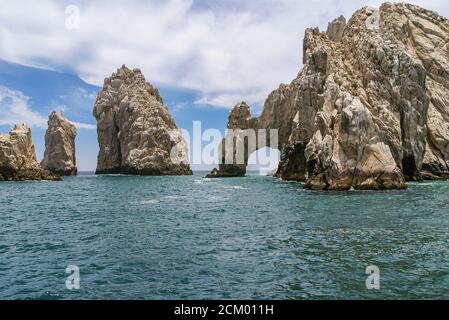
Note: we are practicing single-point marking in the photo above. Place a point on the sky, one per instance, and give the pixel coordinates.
(204, 56)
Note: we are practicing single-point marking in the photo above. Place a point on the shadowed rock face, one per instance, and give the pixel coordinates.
(18, 159)
(370, 108)
(59, 156)
(136, 133)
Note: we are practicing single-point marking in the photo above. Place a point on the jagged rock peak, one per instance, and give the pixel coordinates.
(18, 158)
(136, 132)
(59, 156)
(128, 77)
(377, 88)
(238, 115)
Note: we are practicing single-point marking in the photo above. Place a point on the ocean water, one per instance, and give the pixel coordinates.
(244, 238)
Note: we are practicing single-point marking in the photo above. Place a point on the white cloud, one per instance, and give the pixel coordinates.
(226, 50)
(84, 125)
(60, 107)
(15, 109)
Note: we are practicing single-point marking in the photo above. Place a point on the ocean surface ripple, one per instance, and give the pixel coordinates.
(244, 238)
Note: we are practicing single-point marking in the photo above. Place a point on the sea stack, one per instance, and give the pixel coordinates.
(136, 132)
(59, 156)
(18, 158)
(370, 108)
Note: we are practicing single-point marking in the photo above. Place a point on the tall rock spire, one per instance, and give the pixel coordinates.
(136, 132)
(59, 156)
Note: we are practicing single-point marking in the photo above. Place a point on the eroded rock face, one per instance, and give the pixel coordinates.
(59, 156)
(18, 159)
(370, 108)
(136, 133)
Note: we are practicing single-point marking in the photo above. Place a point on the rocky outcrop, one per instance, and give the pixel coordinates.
(370, 108)
(239, 118)
(18, 159)
(59, 156)
(136, 133)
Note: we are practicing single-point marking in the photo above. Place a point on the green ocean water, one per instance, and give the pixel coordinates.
(244, 238)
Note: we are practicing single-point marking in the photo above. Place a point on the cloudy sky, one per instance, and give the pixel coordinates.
(205, 56)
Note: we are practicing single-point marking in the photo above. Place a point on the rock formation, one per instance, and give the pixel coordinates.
(59, 156)
(278, 114)
(18, 159)
(370, 108)
(136, 133)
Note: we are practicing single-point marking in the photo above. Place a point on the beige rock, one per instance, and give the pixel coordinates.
(59, 156)
(136, 133)
(370, 108)
(18, 159)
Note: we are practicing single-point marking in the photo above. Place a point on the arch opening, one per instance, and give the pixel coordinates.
(264, 161)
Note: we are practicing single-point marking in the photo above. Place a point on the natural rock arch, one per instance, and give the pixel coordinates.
(272, 129)
(369, 109)
(265, 161)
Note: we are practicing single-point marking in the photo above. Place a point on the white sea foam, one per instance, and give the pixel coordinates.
(234, 187)
(144, 202)
(423, 183)
(171, 197)
(201, 181)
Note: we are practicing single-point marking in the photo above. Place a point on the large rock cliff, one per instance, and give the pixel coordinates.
(18, 159)
(136, 133)
(59, 156)
(370, 108)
